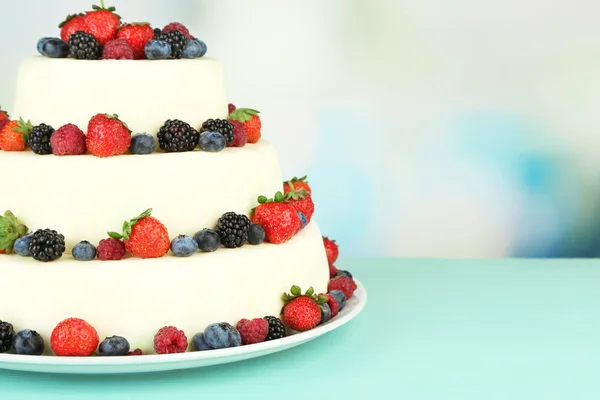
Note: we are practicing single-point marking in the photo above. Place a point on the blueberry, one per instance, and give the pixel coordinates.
(192, 49)
(198, 342)
(236, 338)
(219, 336)
(28, 342)
(184, 246)
(325, 313)
(302, 218)
(22, 245)
(256, 234)
(84, 251)
(142, 143)
(212, 141)
(114, 346)
(340, 297)
(53, 47)
(157, 50)
(342, 272)
(208, 240)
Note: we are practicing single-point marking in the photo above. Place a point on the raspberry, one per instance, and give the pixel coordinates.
(334, 306)
(253, 331)
(110, 249)
(170, 340)
(117, 49)
(239, 135)
(176, 26)
(332, 271)
(136, 352)
(344, 284)
(231, 108)
(74, 337)
(68, 140)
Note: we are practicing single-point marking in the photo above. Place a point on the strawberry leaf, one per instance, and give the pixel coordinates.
(10, 230)
(296, 291)
(115, 235)
(310, 291)
(279, 197)
(321, 300)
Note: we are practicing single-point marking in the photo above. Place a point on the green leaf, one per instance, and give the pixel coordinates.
(310, 291)
(322, 300)
(115, 235)
(262, 199)
(279, 197)
(10, 230)
(296, 291)
(286, 297)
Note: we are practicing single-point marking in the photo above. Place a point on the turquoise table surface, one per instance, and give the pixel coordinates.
(432, 329)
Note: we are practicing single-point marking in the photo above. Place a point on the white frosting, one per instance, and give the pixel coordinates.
(144, 93)
(134, 298)
(84, 197)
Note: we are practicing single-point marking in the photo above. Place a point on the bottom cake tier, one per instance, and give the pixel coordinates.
(134, 298)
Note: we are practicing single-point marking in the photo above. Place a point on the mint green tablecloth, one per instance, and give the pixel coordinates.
(438, 329)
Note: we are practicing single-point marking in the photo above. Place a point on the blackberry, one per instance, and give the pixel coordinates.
(84, 46)
(39, 139)
(47, 245)
(176, 39)
(6, 336)
(157, 33)
(276, 328)
(233, 228)
(177, 136)
(222, 126)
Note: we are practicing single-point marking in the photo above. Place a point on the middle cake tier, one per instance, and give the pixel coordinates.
(84, 197)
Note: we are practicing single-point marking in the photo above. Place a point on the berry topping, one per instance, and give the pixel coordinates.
(278, 218)
(256, 234)
(53, 47)
(184, 246)
(157, 50)
(251, 121)
(343, 273)
(10, 230)
(28, 342)
(47, 245)
(231, 108)
(212, 141)
(138, 35)
(142, 143)
(339, 297)
(276, 328)
(107, 135)
(114, 346)
(334, 305)
(144, 236)
(22, 245)
(199, 343)
(253, 331)
(332, 250)
(68, 140)
(84, 251)
(136, 352)
(83, 46)
(344, 284)
(103, 23)
(239, 135)
(110, 249)
(332, 271)
(176, 40)
(301, 312)
(176, 26)
(303, 219)
(6, 336)
(325, 313)
(117, 49)
(39, 139)
(15, 134)
(170, 340)
(222, 126)
(221, 335)
(193, 49)
(233, 229)
(177, 136)
(74, 337)
(72, 24)
(297, 184)
(208, 240)
(301, 201)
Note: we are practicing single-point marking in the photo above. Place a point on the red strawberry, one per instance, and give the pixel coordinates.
(301, 201)
(332, 250)
(103, 23)
(137, 35)
(301, 312)
(72, 24)
(144, 236)
(107, 136)
(278, 218)
(74, 337)
(296, 183)
(239, 135)
(10, 230)
(14, 135)
(251, 121)
(176, 26)
(344, 284)
(3, 114)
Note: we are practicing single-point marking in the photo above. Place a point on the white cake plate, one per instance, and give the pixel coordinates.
(166, 362)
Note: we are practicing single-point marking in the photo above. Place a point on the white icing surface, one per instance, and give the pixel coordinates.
(84, 197)
(134, 298)
(144, 93)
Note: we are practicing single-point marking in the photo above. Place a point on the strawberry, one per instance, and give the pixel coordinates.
(107, 136)
(296, 183)
(144, 236)
(74, 337)
(301, 312)
(137, 35)
(332, 250)
(72, 24)
(103, 23)
(3, 114)
(251, 121)
(301, 201)
(278, 218)
(10, 230)
(15, 134)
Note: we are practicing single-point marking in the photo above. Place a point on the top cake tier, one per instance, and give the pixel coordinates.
(144, 93)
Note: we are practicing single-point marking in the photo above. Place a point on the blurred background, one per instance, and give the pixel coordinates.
(428, 128)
